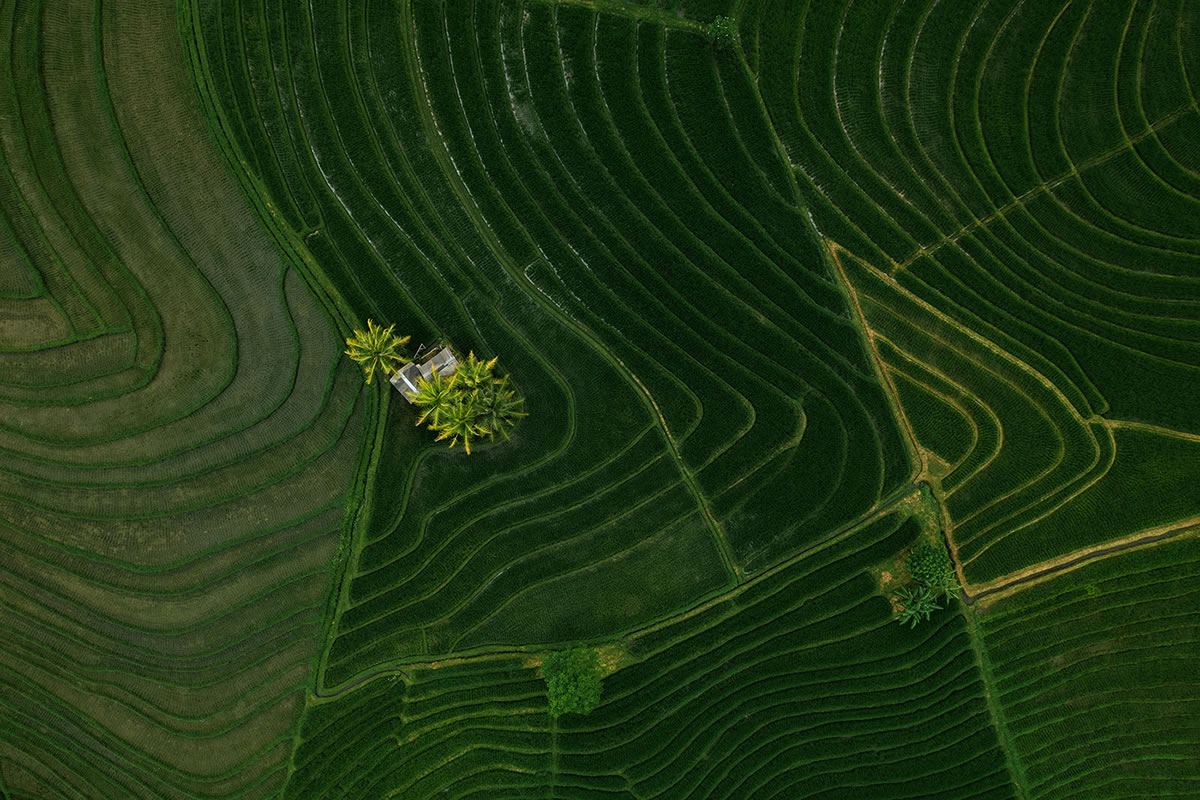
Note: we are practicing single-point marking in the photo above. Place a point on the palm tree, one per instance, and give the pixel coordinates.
(498, 408)
(377, 348)
(475, 374)
(436, 396)
(459, 422)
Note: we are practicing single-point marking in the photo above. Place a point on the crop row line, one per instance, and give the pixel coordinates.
(885, 507)
(1044, 188)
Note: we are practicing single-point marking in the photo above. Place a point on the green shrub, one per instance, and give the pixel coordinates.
(916, 604)
(930, 565)
(722, 31)
(572, 681)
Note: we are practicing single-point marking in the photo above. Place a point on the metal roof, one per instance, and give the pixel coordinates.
(444, 362)
(408, 378)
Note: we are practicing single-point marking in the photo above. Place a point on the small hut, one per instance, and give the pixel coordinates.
(408, 379)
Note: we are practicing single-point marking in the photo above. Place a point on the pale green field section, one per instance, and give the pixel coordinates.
(177, 433)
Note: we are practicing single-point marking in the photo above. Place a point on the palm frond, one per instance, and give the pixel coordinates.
(376, 348)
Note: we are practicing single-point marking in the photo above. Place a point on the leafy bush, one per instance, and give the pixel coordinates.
(930, 565)
(916, 604)
(572, 681)
(722, 31)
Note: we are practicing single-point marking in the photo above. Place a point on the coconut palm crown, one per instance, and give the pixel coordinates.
(376, 349)
(498, 408)
(474, 373)
(471, 403)
(459, 422)
(435, 397)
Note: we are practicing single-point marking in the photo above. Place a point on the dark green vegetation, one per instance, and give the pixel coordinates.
(760, 269)
(797, 684)
(1018, 185)
(929, 564)
(917, 604)
(722, 31)
(573, 681)
(1096, 673)
(725, 408)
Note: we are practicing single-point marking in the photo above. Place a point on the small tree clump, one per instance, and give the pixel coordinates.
(498, 408)
(930, 565)
(722, 31)
(916, 604)
(573, 681)
(471, 403)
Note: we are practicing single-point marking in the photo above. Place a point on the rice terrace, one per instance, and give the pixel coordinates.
(572, 399)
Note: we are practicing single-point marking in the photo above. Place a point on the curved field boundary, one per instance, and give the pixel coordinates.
(466, 175)
(1029, 456)
(178, 447)
(1095, 676)
(1023, 171)
(769, 693)
(888, 506)
(995, 590)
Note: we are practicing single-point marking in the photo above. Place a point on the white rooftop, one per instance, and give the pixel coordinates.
(408, 379)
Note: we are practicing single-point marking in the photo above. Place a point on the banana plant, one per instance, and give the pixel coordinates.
(917, 604)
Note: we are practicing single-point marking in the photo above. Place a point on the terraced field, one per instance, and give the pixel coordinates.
(1028, 171)
(1097, 676)
(797, 684)
(179, 432)
(675, 419)
(780, 306)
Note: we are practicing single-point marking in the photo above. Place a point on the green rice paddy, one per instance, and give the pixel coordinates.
(779, 309)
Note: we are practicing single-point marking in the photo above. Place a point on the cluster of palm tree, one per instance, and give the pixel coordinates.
(917, 603)
(377, 348)
(472, 403)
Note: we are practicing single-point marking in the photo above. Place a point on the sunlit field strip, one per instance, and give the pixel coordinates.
(162, 613)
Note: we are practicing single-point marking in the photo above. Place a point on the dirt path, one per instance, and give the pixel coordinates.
(1003, 587)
